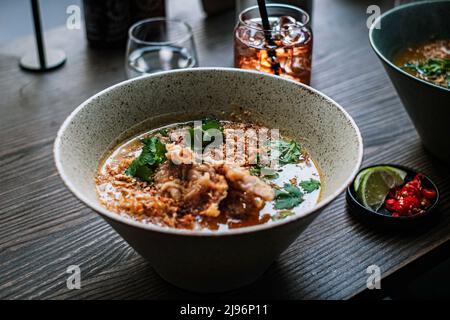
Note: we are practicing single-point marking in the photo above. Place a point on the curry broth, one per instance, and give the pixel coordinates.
(429, 61)
(124, 195)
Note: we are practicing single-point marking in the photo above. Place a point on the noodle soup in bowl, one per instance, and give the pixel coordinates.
(413, 44)
(215, 224)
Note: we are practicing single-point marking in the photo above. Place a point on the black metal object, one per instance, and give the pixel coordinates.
(41, 60)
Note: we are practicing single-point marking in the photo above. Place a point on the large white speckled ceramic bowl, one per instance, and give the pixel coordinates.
(208, 260)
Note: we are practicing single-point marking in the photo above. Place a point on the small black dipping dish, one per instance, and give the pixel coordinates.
(382, 217)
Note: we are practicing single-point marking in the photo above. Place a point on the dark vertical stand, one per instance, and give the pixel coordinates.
(41, 60)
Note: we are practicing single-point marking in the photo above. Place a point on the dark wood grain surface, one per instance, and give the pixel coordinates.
(44, 229)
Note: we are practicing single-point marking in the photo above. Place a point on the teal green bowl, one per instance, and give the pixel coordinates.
(427, 104)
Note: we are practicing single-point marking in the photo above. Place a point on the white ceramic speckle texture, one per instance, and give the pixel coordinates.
(323, 127)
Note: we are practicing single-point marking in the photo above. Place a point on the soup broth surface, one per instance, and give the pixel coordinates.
(428, 61)
(214, 193)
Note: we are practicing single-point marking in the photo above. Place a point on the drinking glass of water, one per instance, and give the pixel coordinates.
(159, 44)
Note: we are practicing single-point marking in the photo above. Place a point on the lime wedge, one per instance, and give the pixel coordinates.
(358, 179)
(373, 185)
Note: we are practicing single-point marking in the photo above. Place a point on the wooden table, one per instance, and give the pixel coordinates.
(44, 229)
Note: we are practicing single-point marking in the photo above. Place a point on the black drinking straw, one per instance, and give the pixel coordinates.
(275, 65)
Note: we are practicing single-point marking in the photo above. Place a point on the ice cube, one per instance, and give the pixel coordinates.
(293, 35)
(252, 34)
(286, 21)
(281, 28)
(253, 24)
(275, 24)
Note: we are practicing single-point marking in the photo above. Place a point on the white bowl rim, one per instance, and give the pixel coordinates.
(383, 57)
(97, 207)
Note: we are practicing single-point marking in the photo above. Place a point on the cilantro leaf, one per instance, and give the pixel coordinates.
(269, 173)
(261, 171)
(143, 172)
(310, 185)
(164, 132)
(287, 151)
(202, 133)
(255, 171)
(211, 124)
(288, 198)
(282, 215)
(153, 153)
(432, 69)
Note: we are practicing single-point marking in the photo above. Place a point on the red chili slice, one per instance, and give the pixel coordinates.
(390, 204)
(429, 193)
(411, 202)
(409, 199)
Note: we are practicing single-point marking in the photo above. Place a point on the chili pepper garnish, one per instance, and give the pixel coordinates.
(390, 204)
(429, 193)
(410, 199)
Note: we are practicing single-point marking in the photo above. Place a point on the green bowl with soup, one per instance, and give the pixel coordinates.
(413, 43)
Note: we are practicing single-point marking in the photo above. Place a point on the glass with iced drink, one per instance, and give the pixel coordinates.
(284, 50)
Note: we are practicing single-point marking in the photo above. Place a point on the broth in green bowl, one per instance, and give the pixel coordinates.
(429, 61)
(412, 42)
